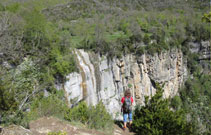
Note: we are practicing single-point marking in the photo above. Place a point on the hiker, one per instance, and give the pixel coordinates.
(127, 102)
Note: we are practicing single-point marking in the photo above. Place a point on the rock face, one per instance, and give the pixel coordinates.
(103, 79)
(203, 49)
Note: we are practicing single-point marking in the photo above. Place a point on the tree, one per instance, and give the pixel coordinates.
(155, 118)
(207, 17)
(17, 88)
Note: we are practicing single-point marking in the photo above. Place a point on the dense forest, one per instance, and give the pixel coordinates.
(37, 38)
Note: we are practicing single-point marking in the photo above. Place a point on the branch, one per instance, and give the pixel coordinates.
(27, 97)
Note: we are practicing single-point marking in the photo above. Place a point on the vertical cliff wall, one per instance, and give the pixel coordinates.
(103, 79)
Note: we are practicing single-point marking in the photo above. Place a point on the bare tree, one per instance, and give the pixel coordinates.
(10, 38)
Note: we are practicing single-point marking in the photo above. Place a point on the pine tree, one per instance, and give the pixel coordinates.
(155, 118)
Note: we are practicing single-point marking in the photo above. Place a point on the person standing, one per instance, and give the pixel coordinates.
(127, 102)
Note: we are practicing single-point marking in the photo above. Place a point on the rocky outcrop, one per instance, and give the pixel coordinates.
(103, 79)
(15, 130)
(203, 49)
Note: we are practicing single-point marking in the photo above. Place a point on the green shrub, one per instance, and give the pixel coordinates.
(7, 100)
(17, 87)
(14, 7)
(146, 39)
(94, 116)
(99, 118)
(192, 62)
(151, 49)
(61, 63)
(2, 8)
(53, 105)
(57, 133)
(143, 24)
(78, 113)
(34, 37)
(155, 118)
(140, 51)
(176, 102)
(207, 17)
(196, 99)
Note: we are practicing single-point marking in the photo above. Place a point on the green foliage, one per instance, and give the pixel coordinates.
(53, 105)
(51, 43)
(156, 118)
(14, 7)
(146, 39)
(20, 84)
(35, 21)
(61, 64)
(78, 113)
(42, 4)
(57, 133)
(196, 99)
(207, 17)
(143, 24)
(95, 116)
(34, 34)
(7, 100)
(176, 102)
(43, 56)
(18, 88)
(104, 31)
(99, 118)
(2, 8)
(192, 60)
(202, 31)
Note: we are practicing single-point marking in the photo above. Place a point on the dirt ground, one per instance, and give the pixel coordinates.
(45, 125)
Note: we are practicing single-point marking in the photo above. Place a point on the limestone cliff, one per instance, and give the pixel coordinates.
(100, 78)
(203, 49)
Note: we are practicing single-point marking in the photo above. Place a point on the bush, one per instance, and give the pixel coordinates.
(7, 100)
(2, 8)
(192, 62)
(57, 133)
(94, 116)
(18, 87)
(78, 113)
(207, 17)
(61, 63)
(202, 31)
(53, 105)
(146, 39)
(140, 51)
(196, 97)
(14, 7)
(156, 118)
(176, 102)
(99, 118)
